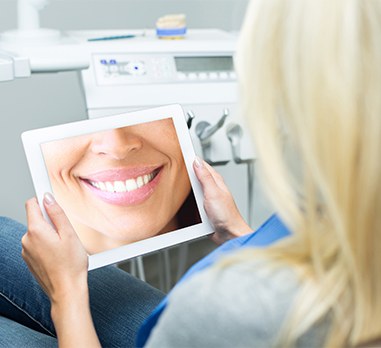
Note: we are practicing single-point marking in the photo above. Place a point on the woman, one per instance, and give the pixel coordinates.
(310, 80)
(122, 185)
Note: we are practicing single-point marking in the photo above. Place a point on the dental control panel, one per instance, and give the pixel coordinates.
(119, 68)
(196, 72)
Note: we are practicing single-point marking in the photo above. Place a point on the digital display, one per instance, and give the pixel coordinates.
(198, 64)
(110, 200)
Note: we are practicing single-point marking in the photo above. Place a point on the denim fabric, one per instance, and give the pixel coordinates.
(119, 302)
(15, 335)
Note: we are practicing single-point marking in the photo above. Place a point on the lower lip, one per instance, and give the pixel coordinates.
(134, 197)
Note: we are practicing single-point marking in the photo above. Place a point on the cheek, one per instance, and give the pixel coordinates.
(62, 156)
(173, 151)
(61, 165)
(180, 172)
(186, 185)
(171, 148)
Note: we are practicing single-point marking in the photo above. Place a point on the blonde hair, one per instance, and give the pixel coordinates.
(310, 73)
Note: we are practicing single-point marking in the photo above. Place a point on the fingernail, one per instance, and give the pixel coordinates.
(198, 162)
(49, 199)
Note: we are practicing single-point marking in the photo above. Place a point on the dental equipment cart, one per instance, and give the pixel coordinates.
(196, 72)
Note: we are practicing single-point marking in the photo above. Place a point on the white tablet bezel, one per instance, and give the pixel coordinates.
(33, 139)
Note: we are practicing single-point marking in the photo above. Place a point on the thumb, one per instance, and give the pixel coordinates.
(204, 176)
(56, 213)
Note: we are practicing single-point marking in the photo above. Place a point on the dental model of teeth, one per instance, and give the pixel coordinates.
(171, 26)
(123, 186)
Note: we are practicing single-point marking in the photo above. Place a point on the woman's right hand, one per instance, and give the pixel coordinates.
(54, 254)
(57, 259)
(219, 204)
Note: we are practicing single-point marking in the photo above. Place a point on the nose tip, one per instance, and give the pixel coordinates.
(116, 143)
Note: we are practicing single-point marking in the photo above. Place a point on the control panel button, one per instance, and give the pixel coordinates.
(192, 76)
(113, 68)
(213, 75)
(135, 68)
(202, 76)
(223, 75)
(125, 68)
(232, 75)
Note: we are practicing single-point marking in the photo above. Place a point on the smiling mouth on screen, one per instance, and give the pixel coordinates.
(124, 186)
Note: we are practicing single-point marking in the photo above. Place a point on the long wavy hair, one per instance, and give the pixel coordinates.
(310, 79)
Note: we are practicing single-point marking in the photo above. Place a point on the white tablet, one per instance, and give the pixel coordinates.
(126, 182)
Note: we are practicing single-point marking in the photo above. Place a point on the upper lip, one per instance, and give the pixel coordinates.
(120, 174)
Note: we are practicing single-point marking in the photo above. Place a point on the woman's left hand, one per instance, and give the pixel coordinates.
(54, 255)
(219, 204)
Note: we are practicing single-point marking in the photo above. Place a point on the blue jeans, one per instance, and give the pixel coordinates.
(119, 302)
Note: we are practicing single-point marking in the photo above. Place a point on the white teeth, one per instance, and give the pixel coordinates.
(139, 181)
(123, 186)
(102, 186)
(131, 185)
(109, 186)
(119, 186)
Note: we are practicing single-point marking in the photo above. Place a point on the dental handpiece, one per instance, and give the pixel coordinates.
(204, 130)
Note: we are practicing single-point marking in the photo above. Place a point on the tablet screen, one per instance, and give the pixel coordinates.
(122, 185)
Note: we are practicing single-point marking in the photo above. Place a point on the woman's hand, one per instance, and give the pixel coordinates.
(59, 262)
(219, 204)
(54, 255)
